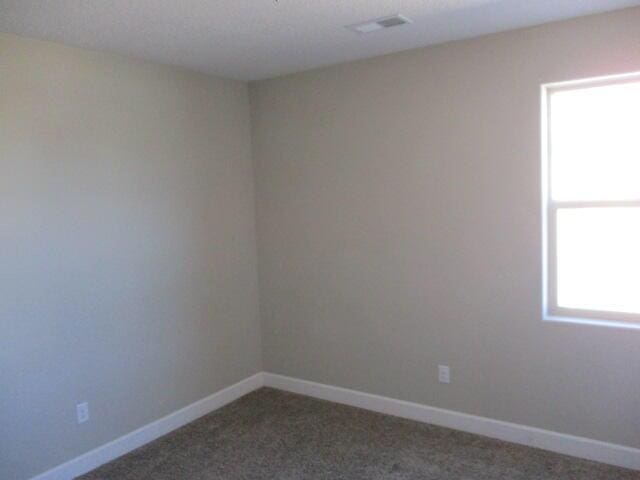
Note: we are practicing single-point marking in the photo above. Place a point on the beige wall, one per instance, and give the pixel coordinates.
(127, 248)
(399, 227)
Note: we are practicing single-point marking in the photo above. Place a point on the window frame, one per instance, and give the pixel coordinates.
(551, 311)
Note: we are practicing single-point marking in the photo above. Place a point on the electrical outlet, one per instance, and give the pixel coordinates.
(82, 412)
(444, 374)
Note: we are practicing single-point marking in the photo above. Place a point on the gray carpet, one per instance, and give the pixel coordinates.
(270, 434)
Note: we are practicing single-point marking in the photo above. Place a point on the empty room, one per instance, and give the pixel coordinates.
(320, 239)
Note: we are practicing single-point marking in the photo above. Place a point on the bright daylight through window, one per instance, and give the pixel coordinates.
(591, 195)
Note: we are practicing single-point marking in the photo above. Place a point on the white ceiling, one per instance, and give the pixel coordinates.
(256, 39)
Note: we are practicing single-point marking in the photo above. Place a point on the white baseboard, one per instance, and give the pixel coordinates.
(114, 449)
(581, 447)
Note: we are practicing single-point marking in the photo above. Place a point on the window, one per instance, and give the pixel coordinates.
(591, 201)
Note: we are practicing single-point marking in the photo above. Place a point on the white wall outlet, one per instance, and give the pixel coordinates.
(444, 374)
(82, 412)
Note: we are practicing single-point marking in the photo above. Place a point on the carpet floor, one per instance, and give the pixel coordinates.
(269, 434)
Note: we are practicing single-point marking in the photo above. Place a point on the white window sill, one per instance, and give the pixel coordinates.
(592, 321)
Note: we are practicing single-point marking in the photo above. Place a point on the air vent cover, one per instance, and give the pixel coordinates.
(379, 24)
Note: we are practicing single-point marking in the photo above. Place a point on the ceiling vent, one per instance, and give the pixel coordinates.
(379, 24)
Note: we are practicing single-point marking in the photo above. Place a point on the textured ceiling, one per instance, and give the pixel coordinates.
(256, 39)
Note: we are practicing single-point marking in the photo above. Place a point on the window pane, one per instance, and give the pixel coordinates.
(598, 253)
(595, 143)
